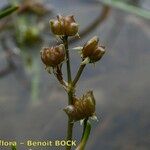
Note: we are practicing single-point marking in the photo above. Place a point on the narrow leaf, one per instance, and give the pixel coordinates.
(8, 11)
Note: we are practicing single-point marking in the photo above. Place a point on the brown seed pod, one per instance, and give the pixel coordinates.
(92, 50)
(53, 56)
(90, 46)
(64, 26)
(97, 54)
(82, 108)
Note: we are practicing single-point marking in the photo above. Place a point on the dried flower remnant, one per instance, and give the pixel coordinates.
(64, 26)
(53, 56)
(82, 108)
(92, 50)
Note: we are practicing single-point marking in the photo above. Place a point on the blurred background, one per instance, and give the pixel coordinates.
(31, 100)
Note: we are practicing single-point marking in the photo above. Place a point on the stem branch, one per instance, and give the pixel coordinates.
(78, 75)
(58, 74)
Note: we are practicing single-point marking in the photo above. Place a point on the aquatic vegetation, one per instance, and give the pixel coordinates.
(78, 109)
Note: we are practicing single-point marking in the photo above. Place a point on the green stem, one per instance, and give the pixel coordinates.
(70, 92)
(84, 127)
(65, 42)
(8, 11)
(78, 75)
(85, 136)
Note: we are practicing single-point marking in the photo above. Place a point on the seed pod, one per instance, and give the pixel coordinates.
(53, 56)
(92, 50)
(64, 26)
(57, 27)
(90, 46)
(97, 54)
(82, 108)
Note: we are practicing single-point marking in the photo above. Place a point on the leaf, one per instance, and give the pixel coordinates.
(8, 11)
